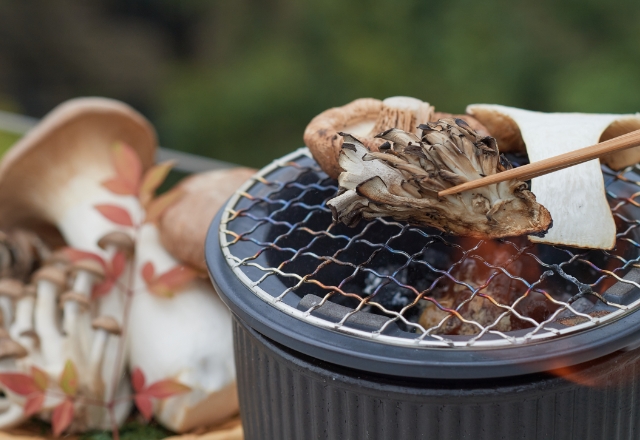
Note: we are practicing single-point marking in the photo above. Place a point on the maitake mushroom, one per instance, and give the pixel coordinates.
(403, 182)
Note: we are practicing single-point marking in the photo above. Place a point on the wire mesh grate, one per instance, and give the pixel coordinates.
(406, 285)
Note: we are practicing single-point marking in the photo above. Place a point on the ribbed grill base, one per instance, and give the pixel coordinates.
(285, 395)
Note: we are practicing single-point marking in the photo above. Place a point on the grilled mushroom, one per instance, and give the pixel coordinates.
(575, 193)
(364, 118)
(403, 183)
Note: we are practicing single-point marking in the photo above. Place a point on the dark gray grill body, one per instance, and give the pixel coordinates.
(285, 395)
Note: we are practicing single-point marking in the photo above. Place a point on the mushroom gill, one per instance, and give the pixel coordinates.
(403, 179)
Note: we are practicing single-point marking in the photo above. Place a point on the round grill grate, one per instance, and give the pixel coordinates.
(402, 285)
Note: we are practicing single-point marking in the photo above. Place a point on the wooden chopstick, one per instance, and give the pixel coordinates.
(552, 164)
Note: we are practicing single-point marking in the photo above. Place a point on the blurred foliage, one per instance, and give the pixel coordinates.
(6, 140)
(131, 431)
(292, 60)
(239, 81)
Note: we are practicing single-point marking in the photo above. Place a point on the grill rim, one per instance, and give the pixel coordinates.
(418, 361)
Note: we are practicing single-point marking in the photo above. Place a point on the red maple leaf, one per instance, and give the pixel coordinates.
(168, 283)
(162, 389)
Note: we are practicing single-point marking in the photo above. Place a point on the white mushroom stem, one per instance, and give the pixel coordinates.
(13, 416)
(104, 326)
(186, 337)
(83, 284)
(100, 370)
(6, 305)
(24, 321)
(46, 325)
(79, 341)
(572, 195)
(95, 364)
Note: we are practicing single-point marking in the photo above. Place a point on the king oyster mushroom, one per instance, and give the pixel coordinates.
(186, 337)
(403, 182)
(364, 118)
(183, 226)
(576, 193)
(195, 316)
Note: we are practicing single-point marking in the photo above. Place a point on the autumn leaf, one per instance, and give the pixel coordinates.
(177, 276)
(137, 379)
(116, 214)
(157, 390)
(167, 283)
(148, 272)
(153, 178)
(102, 288)
(62, 416)
(119, 186)
(158, 205)
(118, 263)
(127, 164)
(19, 383)
(166, 388)
(40, 378)
(113, 271)
(144, 405)
(33, 404)
(69, 379)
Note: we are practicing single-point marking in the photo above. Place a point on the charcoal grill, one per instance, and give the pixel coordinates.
(392, 331)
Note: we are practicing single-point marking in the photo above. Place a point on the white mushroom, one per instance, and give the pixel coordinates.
(88, 272)
(22, 327)
(104, 326)
(10, 292)
(10, 351)
(52, 178)
(49, 283)
(573, 194)
(187, 337)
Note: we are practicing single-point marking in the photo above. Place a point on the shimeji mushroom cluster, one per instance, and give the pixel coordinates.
(113, 300)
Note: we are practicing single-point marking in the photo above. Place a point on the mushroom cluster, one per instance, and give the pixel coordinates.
(92, 313)
(402, 181)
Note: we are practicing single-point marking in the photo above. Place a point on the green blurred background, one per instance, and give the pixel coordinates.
(239, 80)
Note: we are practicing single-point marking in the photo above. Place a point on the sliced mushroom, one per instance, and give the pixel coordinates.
(573, 194)
(184, 225)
